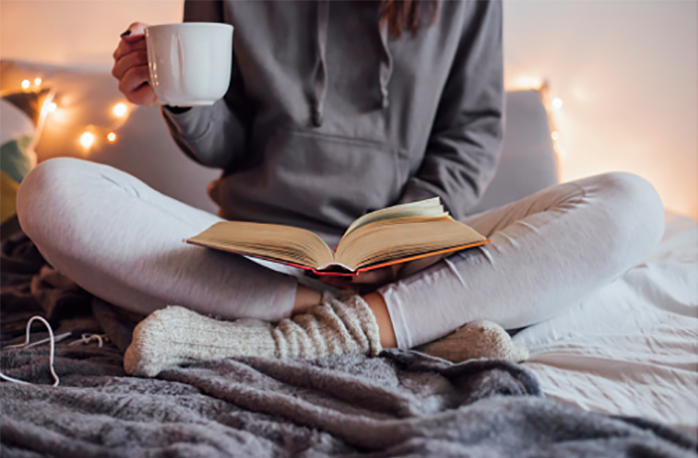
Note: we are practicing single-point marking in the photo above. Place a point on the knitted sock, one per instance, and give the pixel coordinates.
(477, 339)
(176, 335)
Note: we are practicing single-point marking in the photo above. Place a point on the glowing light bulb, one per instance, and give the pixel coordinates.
(25, 84)
(557, 102)
(120, 110)
(111, 137)
(555, 135)
(87, 139)
(51, 107)
(37, 81)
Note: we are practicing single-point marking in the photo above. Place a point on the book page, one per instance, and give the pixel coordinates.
(403, 238)
(430, 208)
(269, 241)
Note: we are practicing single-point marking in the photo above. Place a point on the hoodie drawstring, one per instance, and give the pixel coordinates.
(386, 67)
(320, 80)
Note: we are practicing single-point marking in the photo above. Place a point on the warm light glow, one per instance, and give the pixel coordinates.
(37, 81)
(111, 137)
(557, 102)
(25, 84)
(120, 110)
(87, 139)
(528, 82)
(51, 107)
(555, 135)
(580, 94)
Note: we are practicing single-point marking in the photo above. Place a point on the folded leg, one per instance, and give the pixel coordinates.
(548, 252)
(123, 241)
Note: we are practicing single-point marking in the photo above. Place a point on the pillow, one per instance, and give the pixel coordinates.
(22, 115)
(145, 149)
(528, 162)
(85, 99)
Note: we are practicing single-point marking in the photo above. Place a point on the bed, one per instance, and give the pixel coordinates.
(615, 375)
(632, 348)
(640, 370)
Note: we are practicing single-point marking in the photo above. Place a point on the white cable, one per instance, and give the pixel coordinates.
(48, 339)
(87, 338)
(52, 344)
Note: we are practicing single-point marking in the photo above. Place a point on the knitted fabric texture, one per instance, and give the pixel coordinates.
(176, 335)
(477, 339)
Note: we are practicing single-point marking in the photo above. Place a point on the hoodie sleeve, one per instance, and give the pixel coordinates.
(466, 136)
(213, 135)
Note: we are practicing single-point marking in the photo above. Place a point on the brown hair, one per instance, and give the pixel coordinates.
(412, 15)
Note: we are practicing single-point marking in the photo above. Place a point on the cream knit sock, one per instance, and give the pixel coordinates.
(176, 335)
(478, 339)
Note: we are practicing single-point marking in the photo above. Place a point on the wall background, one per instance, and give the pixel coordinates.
(626, 72)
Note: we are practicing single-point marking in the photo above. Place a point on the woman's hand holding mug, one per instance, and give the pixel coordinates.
(131, 66)
(180, 65)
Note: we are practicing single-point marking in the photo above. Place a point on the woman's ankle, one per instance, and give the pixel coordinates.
(379, 308)
(306, 298)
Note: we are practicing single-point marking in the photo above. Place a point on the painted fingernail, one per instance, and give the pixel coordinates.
(126, 33)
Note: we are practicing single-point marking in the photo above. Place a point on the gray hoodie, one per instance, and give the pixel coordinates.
(328, 117)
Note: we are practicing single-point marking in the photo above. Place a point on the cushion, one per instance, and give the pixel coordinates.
(145, 149)
(85, 98)
(528, 162)
(22, 115)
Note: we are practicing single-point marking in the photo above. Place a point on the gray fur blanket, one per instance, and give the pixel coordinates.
(399, 404)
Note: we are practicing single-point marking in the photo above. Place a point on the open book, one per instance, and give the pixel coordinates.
(378, 239)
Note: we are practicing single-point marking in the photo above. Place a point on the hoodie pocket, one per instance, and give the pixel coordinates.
(330, 177)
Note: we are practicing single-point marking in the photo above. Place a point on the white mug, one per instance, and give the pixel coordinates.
(190, 63)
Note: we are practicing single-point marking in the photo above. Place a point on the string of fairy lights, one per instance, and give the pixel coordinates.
(92, 134)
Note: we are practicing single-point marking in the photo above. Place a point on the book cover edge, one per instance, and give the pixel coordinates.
(351, 273)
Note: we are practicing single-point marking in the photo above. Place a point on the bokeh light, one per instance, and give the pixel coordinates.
(87, 139)
(120, 110)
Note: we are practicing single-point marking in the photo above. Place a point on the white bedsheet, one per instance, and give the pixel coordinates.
(631, 348)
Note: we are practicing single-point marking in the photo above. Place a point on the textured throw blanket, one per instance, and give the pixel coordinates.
(401, 403)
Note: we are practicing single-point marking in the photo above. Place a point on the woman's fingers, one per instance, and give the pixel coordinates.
(129, 46)
(132, 81)
(125, 63)
(133, 78)
(133, 38)
(131, 66)
(134, 30)
(143, 96)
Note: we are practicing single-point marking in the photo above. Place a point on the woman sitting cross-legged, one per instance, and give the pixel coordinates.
(355, 107)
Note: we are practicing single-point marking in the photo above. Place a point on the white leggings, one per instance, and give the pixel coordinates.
(122, 241)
